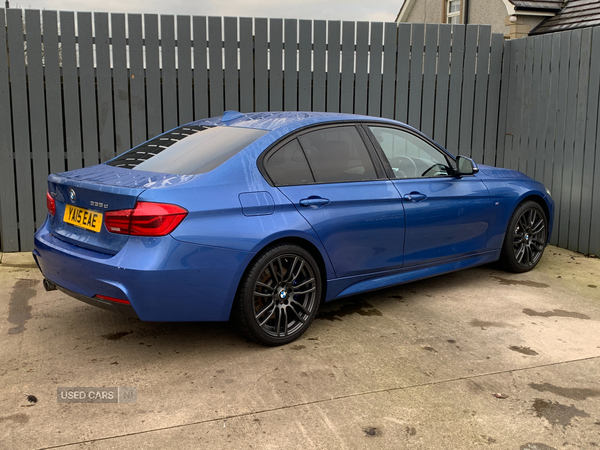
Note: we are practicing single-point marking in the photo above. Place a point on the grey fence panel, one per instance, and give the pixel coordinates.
(333, 66)
(246, 66)
(493, 100)
(87, 89)
(71, 91)
(169, 72)
(589, 235)
(503, 118)
(456, 81)
(231, 64)
(137, 88)
(429, 79)
(290, 82)
(549, 129)
(261, 76)
(9, 229)
(545, 43)
(319, 68)
(536, 45)
(37, 113)
(347, 91)
(305, 66)
(443, 84)
(375, 61)
(402, 72)
(514, 108)
(120, 83)
(468, 91)
(481, 90)
(184, 70)
(153, 76)
(361, 70)
(520, 146)
(56, 142)
(106, 135)
(215, 49)
(416, 75)
(276, 65)
(579, 141)
(200, 68)
(389, 70)
(20, 121)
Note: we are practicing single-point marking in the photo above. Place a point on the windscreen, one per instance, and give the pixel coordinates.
(188, 150)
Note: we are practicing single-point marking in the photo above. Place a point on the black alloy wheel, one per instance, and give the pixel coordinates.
(525, 238)
(279, 295)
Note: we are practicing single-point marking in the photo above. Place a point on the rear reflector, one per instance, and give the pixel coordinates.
(112, 299)
(50, 204)
(146, 219)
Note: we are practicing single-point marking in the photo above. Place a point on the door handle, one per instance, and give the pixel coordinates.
(415, 197)
(314, 202)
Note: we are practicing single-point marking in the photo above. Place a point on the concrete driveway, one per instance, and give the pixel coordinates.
(479, 358)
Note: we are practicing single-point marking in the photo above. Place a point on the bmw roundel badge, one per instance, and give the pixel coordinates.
(72, 195)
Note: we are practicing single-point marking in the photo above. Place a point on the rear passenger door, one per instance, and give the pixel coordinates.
(339, 186)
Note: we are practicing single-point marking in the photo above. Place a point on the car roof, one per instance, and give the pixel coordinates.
(284, 121)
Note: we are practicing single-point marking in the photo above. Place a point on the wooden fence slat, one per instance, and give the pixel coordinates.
(520, 156)
(9, 230)
(71, 91)
(53, 88)
(514, 110)
(154, 110)
(319, 68)
(120, 83)
(169, 72)
(535, 112)
(106, 134)
(416, 75)
(456, 79)
(468, 92)
(481, 91)
(362, 59)
(443, 84)
(492, 111)
(550, 128)
(429, 79)
(589, 237)
(184, 69)
(375, 72)
(137, 88)
(20, 116)
(261, 75)
(347, 91)
(215, 49)
(503, 113)
(246, 65)
(333, 65)
(545, 43)
(579, 141)
(231, 64)
(403, 72)
(290, 83)
(390, 50)
(276, 65)
(305, 66)
(37, 113)
(201, 106)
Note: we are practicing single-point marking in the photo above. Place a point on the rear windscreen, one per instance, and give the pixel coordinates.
(188, 150)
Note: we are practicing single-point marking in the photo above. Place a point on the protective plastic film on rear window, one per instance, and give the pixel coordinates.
(188, 150)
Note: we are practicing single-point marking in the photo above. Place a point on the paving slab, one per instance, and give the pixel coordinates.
(414, 366)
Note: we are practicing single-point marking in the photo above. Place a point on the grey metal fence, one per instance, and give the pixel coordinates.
(548, 127)
(78, 88)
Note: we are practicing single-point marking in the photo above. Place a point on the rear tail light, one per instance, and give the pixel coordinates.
(145, 219)
(113, 299)
(50, 204)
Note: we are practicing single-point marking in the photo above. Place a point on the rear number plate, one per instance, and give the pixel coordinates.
(83, 218)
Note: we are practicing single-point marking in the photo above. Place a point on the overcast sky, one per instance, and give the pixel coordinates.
(353, 10)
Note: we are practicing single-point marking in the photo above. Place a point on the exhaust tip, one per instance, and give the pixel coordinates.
(49, 285)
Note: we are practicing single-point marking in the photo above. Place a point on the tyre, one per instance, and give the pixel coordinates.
(525, 238)
(279, 295)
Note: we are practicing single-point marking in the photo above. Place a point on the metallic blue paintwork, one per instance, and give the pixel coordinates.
(234, 213)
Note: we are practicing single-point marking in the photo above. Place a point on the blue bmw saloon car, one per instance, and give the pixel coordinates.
(262, 217)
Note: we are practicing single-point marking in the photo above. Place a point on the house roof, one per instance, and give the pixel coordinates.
(545, 5)
(575, 14)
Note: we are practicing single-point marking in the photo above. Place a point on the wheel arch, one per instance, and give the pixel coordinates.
(542, 203)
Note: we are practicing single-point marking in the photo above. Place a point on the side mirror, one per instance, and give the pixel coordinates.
(466, 166)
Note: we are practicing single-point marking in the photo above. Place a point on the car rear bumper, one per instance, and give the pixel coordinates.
(164, 280)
